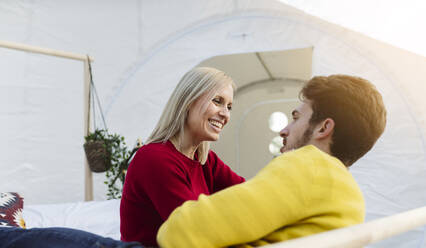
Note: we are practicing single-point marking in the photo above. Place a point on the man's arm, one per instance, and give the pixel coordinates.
(243, 213)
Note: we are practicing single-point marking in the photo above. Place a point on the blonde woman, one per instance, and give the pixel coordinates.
(176, 164)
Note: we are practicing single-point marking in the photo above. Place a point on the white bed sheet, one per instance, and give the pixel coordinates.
(99, 217)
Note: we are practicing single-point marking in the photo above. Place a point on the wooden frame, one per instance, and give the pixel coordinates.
(88, 179)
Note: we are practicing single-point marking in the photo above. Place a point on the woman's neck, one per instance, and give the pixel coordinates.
(185, 146)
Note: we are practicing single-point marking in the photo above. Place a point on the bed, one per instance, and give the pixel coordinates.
(103, 218)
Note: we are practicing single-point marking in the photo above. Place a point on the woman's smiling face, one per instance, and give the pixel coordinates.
(207, 117)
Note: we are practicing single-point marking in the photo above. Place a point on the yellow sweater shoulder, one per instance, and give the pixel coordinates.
(299, 193)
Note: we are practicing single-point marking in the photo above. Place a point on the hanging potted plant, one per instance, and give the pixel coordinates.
(103, 150)
(106, 152)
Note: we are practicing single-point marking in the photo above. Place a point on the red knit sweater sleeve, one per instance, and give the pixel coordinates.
(162, 180)
(221, 176)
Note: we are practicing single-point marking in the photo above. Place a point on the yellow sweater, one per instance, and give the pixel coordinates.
(299, 193)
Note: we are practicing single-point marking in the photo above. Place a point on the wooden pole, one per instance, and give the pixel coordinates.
(88, 178)
(360, 235)
(45, 51)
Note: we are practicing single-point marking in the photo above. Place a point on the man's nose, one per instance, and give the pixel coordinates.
(284, 132)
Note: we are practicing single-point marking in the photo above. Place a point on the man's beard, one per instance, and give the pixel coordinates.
(304, 140)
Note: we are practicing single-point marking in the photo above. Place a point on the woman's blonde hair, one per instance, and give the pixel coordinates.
(194, 83)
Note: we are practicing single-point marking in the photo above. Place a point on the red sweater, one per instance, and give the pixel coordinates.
(159, 179)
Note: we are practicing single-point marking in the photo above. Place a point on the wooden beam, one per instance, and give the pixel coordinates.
(362, 234)
(45, 51)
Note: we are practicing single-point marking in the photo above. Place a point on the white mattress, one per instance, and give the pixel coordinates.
(99, 217)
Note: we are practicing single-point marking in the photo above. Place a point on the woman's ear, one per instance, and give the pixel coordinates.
(325, 129)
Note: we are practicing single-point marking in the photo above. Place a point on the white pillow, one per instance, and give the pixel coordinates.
(99, 217)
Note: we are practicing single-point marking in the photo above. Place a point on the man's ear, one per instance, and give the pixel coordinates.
(325, 129)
